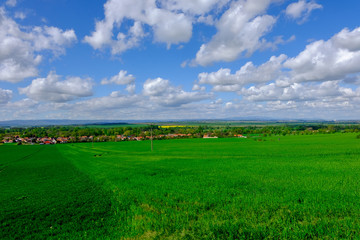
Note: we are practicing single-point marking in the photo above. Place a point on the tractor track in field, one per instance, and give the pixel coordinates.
(30, 155)
(3, 167)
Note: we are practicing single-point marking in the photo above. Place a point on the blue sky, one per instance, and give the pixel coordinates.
(179, 59)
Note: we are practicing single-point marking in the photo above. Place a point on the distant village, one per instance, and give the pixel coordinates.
(70, 134)
(61, 140)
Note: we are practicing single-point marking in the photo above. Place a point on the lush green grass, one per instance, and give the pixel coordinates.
(44, 195)
(294, 187)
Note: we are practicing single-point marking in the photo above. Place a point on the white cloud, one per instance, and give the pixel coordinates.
(280, 106)
(341, 103)
(50, 98)
(15, 70)
(329, 90)
(11, 3)
(131, 88)
(20, 51)
(313, 109)
(327, 60)
(197, 7)
(347, 39)
(115, 106)
(163, 93)
(53, 89)
(115, 100)
(318, 77)
(20, 15)
(228, 105)
(278, 40)
(197, 87)
(239, 31)
(22, 109)
(169, 27)
(131, 40)
(122, 78)
(156, 87)
(17, 58)
(223, 80)
(23, 104)
(51, 38)
(5, 95)
(301, 10)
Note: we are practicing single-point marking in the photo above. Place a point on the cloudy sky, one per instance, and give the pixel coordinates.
(179, 59)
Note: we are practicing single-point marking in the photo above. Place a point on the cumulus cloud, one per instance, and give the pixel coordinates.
(17, 58)
(327, 60)
(239, 31)
(312, 109)
(300, 92)
(163, 93)
(22, 109)
(5, 95)
(331, 60)
(52, 89)
(301, 10)
(325, 75)
(131, 88)
(223, 80)
(20, 51)
(115, 100)
(122, 78)
(197, 87)
(169, 27)
(318, 77)
(50, 98)
(156, 87)
(347, 39)
(51, 38)
(195, 7)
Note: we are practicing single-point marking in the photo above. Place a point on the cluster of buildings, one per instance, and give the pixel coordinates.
(209, 136)
(56, 140)
(240, 136)
(33, 140)
(48, 140)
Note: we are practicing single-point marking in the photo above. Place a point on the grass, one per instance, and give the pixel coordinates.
(298, 187)
(44, 195)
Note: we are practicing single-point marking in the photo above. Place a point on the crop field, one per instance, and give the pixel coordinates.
(292, 187)
(110, 125)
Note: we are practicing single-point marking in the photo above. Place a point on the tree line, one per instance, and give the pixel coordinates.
(111, 134)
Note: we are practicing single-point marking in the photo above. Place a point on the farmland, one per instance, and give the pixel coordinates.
(288, 187)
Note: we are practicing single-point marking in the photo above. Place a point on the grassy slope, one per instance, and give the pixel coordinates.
(298, 187)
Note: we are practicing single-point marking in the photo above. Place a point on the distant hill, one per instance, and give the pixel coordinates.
(63, 122)
(43, 123)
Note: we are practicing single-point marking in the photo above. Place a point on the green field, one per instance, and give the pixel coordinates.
(104, 126)
(293, 187)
